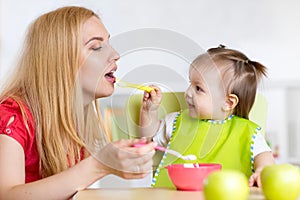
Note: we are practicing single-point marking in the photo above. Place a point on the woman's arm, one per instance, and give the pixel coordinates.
(80, 176)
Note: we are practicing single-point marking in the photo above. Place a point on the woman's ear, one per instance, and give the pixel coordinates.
(230, 103)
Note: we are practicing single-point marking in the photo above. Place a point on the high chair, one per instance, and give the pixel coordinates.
(123, 123)
(175, 101)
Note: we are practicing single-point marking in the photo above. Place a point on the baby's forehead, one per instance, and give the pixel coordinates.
(208, 75)
(206, 65)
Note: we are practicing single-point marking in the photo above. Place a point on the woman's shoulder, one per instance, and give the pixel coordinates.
(11, 106)
(16, 120)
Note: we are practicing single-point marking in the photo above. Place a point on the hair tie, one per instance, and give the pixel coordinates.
(246, 61)
(221, 46)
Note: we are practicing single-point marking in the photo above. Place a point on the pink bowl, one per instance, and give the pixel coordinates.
(191, 178)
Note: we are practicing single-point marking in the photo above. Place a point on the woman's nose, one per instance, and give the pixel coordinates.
(114, 55)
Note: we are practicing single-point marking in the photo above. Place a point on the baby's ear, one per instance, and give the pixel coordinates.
(231, 101)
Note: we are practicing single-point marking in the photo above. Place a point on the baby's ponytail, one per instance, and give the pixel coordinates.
(242, 76)
(260, 69)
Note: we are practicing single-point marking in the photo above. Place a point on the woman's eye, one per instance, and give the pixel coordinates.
(97, 48)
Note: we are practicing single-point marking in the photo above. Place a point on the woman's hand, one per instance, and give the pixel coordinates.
(152, 100)
(124, 160)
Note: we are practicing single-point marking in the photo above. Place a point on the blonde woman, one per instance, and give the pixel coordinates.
(51, 140)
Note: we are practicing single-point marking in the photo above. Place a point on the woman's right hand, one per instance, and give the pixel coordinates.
(124, 160)
(152, 100)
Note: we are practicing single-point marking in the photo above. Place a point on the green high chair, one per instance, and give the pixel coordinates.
(175, 101)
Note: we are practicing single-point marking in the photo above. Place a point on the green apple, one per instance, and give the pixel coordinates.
(226, 185)
(281, 182)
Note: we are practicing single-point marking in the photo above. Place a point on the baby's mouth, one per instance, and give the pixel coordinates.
(190, 105)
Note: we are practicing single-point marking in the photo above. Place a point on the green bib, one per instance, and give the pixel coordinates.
(228, 142)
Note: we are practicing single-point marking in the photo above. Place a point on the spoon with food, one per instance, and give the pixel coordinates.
(125, 84)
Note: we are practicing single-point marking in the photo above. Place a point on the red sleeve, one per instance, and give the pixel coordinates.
(16, 129)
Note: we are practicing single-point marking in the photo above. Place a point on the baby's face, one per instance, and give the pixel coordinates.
(205, 96)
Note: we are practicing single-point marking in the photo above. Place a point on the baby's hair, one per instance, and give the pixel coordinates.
(241, 76)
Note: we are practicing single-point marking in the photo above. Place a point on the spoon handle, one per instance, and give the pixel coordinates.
(170, 151)
(160, 148)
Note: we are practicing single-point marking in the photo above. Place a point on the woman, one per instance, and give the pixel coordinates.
(52, 142)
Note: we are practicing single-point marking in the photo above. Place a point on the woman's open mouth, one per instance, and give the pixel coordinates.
(110, 76)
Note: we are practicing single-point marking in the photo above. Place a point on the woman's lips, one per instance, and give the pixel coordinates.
(110, 79)
(110, 76)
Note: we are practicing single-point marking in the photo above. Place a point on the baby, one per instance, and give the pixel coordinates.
(215, 127)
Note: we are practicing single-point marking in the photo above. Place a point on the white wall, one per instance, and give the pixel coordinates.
(266, 30)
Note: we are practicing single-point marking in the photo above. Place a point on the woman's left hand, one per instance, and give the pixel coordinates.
(124, 160)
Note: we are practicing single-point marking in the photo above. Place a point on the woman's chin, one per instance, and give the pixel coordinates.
(104, 91)
(107, 94)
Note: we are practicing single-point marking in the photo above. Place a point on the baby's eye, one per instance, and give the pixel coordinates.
(199, 89)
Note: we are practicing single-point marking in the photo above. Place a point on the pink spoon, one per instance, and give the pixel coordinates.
(170, 151)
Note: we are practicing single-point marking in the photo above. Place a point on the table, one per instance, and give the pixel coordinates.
(150, 194)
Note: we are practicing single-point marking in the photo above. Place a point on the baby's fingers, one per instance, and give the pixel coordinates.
(254, 180)
(251, 181)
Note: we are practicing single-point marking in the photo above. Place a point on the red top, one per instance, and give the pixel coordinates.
(17, 130)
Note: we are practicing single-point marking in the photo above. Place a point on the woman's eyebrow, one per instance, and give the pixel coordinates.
(96, 38)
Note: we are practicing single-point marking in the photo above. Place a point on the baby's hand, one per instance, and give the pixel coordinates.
(254, 180)
(152, 100)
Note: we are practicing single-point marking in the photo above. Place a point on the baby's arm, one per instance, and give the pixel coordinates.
(260, 161)
(149, 122)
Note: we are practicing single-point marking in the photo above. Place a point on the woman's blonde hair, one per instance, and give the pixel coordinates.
(46, 80)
